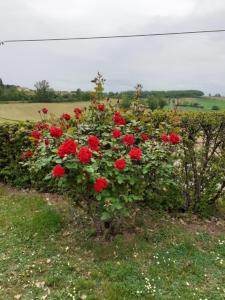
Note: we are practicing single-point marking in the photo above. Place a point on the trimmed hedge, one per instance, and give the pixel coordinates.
(201, 163)
(13, 138)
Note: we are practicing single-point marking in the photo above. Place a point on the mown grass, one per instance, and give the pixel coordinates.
(206, 102)
(44, 254)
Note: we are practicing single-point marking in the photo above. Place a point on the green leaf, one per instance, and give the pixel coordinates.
(132, 180)
(58, 161)
(120, 180)
(106, 216)
(71, 165)
(90, 169)
(48, 177)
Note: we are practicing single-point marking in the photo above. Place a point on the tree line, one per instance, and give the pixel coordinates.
(42, 92)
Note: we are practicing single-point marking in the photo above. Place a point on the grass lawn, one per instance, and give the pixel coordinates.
(206, 102)
(45, 254)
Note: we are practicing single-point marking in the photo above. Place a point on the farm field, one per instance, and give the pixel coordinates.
(45, 254)
(29, 111)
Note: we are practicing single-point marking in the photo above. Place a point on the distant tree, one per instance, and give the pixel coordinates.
(126, 100)
(162, 103)
(166, 94)
(78, 94)
(153, 103)
(111, 95)
(86, 96)
(1, 88)
(43, 91)
(215, 107)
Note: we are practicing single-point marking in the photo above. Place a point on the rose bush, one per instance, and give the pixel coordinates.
(105, 158)
(103, 161)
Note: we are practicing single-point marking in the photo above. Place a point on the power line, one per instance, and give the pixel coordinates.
(111, 36)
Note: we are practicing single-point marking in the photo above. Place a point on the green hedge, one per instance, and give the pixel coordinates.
(14, 137)
(201, 164)
(202, 161)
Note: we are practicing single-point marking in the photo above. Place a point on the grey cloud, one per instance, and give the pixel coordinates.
(158, 63)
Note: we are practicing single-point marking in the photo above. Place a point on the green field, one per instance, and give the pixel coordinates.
(206, 102)
(47, 254)
(29, 111)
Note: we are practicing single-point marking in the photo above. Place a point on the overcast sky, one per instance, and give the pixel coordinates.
(184, 62)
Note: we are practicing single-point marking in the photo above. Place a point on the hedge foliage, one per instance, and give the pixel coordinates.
(200, 165)
(13, 138)
(202, 161)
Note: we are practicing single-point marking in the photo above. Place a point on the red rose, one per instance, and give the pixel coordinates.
(118, 119)
(84, 155)
(56, 132)
(100, 183)
(77, 110)
(93, 142)
(128, 139)
(27, 154)
(40, 126)
(45, 126)
(77, 116)
(46, 142)
(68, 147)
(145, 137)
(36, 134)
(137, 129)
(116, 133)
(58, 171)
(66, 116)
(44, 110)
(101, 107)
(174, 138)
(165, 138)
(135, 154)
(120, 164)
